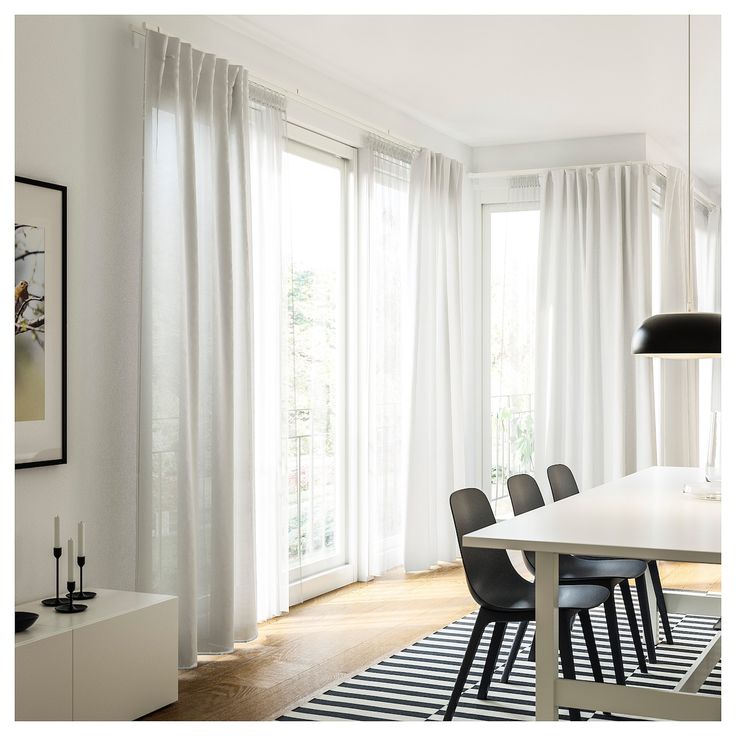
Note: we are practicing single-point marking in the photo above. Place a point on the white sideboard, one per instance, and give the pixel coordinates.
(115, 661)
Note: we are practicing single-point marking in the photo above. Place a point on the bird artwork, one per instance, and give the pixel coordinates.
(21, 298)
(21, 295)
(29, 289)
(29, 308)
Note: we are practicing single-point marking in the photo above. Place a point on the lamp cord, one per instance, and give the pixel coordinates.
(689, 282)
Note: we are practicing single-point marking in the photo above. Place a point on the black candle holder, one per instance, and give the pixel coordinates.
(55, 601)
(81, 594)
(68, 606)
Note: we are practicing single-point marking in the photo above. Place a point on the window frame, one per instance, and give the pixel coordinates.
(486, 444)
(315, 579)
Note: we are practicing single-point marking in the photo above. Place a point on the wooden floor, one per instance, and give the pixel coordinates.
(332, 636)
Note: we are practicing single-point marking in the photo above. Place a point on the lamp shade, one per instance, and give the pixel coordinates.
(679, 335)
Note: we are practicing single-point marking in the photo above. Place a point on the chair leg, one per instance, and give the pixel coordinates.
(568, 661)
(518, 639)
(595, 662)
(613, 636)
(499, 629)
(646, 617)
(661, 605)
(481, 621)
(633, 624)
(531, 657)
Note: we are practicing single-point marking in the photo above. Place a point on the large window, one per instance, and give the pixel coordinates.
(510, 234)
(314, 357)
(510, 238)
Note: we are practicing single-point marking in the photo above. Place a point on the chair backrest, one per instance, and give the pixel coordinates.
(562, 482)
(489, 572)
(525, 496)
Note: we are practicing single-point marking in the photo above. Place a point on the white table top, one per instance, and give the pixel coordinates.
(107, 604)
(644, 516)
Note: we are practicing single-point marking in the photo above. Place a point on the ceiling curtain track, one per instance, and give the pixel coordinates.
(657, 169)
(392, 150)
(524, 188)
(261, 95)
(139, 31)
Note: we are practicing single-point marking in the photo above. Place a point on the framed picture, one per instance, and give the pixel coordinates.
(40, 323)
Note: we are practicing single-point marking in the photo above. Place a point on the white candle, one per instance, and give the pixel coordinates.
(80, 538)
(70, 561)
(57, 533)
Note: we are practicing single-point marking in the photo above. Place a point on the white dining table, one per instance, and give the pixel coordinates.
(645, 516)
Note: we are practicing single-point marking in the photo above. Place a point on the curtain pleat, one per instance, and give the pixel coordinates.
(267, 142)
(708, 259)
(679, 378)
(196, 383)
(594, 401)
(384, 171)
(711, 295)
(434, 456)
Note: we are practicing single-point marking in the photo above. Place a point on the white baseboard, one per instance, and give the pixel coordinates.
(321, 583)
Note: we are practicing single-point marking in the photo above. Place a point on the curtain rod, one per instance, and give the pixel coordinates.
(141, 30)
(660, 168)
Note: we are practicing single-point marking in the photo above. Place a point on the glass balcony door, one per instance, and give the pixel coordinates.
(510, 237)
(314, 360)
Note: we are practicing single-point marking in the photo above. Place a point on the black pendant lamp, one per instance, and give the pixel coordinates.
(689, 334)
(679, 335)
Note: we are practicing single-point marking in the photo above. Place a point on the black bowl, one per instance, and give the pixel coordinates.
(24, 620)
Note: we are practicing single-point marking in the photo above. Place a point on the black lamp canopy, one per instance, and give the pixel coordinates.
(683, 335)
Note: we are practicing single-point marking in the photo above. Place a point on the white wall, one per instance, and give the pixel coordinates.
(222, 35)
(78, 112)
(659, 154)
(569, 152)
(79, 82)
(576, 152)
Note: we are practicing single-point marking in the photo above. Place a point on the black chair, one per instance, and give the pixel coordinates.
(504, 596)
(610, 573)
(563, 485)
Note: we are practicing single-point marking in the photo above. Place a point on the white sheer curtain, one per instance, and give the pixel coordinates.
(708, 260)
(196, 532)
(594, 400)
(679, 378)
(711, 292)
(435, 462)
(267, 142)
(524, 188)
(384, 210)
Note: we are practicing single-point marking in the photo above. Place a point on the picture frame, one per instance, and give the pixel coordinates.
(40, 316)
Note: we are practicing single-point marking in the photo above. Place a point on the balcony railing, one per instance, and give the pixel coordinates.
(512, 440)
(311, 489)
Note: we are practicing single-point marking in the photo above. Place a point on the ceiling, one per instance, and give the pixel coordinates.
(493, 80)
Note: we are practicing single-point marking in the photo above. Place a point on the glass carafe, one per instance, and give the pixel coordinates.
(713, 459)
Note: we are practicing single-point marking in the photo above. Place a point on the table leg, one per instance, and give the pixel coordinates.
(653, 613)
(546, 585)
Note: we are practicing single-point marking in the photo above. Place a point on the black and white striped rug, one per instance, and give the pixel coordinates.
(415, 683)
